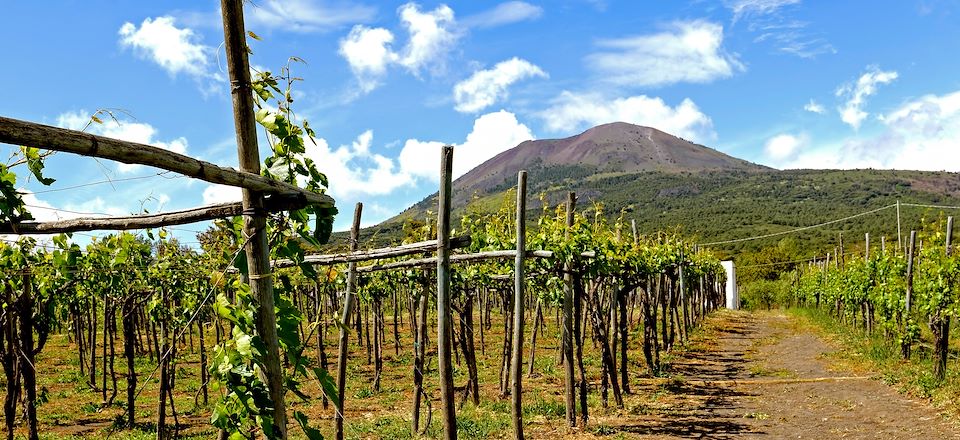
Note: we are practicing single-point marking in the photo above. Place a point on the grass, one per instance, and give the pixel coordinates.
(75, 410)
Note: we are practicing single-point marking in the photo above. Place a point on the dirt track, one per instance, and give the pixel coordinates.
(761, 376)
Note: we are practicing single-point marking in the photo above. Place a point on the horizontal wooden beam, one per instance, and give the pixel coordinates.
(223, 210)
(461, 258)
(17, 132)
(376, 254)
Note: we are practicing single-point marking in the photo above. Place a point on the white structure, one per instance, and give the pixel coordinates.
(733, 296)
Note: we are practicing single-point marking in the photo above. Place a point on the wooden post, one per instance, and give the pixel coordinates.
(842, 260)
(518, 302)
(940, 324)
(866, 252)
(444, 321)
(949, 235)
(348, 300)
(254, 216)
(910, 254)
(899, 235)
(568, 323)
(906, 346)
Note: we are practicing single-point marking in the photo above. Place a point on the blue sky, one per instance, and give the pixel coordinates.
(786, 83)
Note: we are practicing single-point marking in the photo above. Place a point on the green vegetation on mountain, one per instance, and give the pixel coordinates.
(719, 199)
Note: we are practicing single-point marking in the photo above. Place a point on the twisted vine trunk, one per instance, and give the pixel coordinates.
(582, 384)
(204, 376)
(419, 352)
(940, 326)
(164, 375)
(10, 362)
(27, 364)
(468, 347)
(129, 315)
(377, 342)
(622, 323)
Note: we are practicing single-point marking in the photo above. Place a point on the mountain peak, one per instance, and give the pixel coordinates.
(613, 148)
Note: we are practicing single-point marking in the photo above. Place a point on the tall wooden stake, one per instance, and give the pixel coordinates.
(444, 322)
(906, 346)
(519, 282)
(866, 252)
(940, 324)
(899, 235)
(348, 300)
(568, 324)
(254, 216)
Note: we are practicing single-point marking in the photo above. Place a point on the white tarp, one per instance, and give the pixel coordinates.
(733, 296)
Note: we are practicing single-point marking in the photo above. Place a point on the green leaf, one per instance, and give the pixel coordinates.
(328, 384)
(312, 433)
(243, 346)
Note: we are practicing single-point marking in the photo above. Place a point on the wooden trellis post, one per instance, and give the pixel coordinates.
(254, 216)
(906, 348)
(568, 323)
(518, 302)
(348, 300)
(444, 322)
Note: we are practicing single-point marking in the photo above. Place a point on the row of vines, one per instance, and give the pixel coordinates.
(128, 299)
(899, 294)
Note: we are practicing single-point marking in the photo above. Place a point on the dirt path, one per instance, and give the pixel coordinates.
(762, 376)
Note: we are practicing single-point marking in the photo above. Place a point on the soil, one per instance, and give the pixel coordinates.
(763, 376)
(743, 375)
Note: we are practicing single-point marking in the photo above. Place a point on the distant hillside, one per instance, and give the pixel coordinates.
(605, 150)
(666, 182)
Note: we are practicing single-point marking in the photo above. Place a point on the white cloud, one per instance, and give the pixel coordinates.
(486, 87)
(94, 207)
(492, 134)
(573, 112)
(431, 36)
(306, 15)
(504, 13)
(369, 51)
(918, 135)
(176, 50)
(790, 36)
(687, 51)
(814, 107)
(353, 170)
(784, 146)
(851, 112)
(214, 194)
(44, 211)
(124, 130)
(746, 8)
(800, 44)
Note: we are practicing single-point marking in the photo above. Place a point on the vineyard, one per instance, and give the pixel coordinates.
(899, 294)
(154, 336)
(489, 319)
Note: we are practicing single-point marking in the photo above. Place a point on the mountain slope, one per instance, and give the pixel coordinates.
(616, 148)
(664, 182)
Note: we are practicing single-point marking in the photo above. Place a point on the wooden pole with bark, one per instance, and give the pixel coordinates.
(568, 324)
(940, 324)
(444, 322)
(907, 342)
(518, 303)
(348, 304)
(254, 216)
